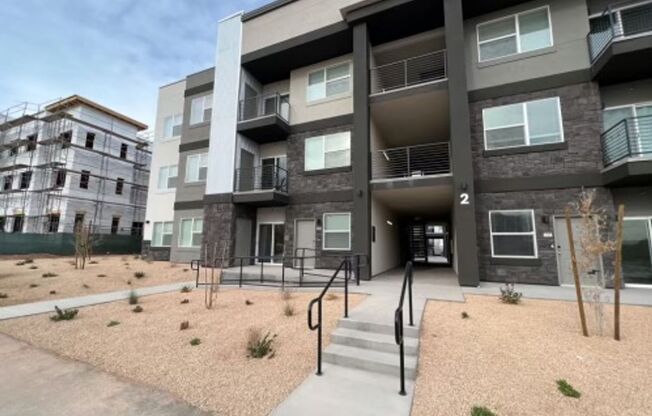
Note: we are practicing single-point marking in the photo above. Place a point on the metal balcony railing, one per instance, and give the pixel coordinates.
(411, 161)
(408, 72)
(261, 178)
(264, 105)
(619, 21)
(630, 137)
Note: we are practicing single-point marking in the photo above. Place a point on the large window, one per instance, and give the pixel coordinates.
(514, 34)
(330, 151)
(172, 126)
(337, 231)
(523, 124)
(513, 234)
(162, 235)
(637, 250)
(196, 167)
(329, 82)
(201, 109)
(167, 177)
(190, 232)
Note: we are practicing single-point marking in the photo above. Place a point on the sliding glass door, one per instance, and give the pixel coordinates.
(271, 243)
(637, 251)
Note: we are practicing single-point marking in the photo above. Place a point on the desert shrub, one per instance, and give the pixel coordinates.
(186, 289)
(137, 309)
(53, 292)
(139, 275)
(259, 346)
(20, 263)
(184, 325)
(465, 315)
(113, 323)
(48, 274)
(248, 302)
(567, 390)
(185, 270)
(28, 261)
(64, 315)
(133, 298)
(33, 285)
(136, 257)
(288, 309)
(195, 341)
(85, 286)
(183, 302)
(332, 296)
(101, 275)
(3, 295)
(508, 294)
(481, 411)
(95, 262)
(33, 267)
(286, 294)
(129, 282)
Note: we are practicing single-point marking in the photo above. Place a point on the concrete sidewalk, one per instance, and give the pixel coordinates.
(35, 308)
(39, 383)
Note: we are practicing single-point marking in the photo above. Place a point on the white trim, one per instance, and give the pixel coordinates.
(324, 231)
(206, 104)
(517, 33)
(271, 259)
(324, 70)
(532, 233)
(324, 139)
(192, 233)
(153, 243)
(199, 166)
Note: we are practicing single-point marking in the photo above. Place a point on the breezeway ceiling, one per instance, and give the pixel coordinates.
(418, 201)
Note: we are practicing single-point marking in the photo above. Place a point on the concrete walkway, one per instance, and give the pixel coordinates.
(35, 308)
(36, 383)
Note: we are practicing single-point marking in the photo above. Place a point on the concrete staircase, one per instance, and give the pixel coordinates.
(370, 346)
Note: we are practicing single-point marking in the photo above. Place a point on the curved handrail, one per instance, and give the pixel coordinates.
(398, 320)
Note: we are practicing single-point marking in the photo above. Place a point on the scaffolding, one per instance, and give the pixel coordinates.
(68, 162)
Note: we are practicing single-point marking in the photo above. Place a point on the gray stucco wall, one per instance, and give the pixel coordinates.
(192, 191)
(183, 254)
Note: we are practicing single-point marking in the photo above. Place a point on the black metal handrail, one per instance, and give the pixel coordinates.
(264, 105)
(618, 21)
(630, 137)
(357, 264)
(398, 321)
(346, 264)
(261, 178)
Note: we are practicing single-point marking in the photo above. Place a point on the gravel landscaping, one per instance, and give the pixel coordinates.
(510, 359)
(215, 373)
(55, 277)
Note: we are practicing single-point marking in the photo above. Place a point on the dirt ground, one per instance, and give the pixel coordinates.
(216, 375)
(508, 357)
(109, 273)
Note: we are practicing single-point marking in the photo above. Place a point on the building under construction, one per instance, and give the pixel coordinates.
(70, 163)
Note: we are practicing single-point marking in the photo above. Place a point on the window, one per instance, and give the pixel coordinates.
(337, 231)
(513, 234)
(66, 139)
(13, 151)
(514, 34)
(18, 224)
(637, 250)
(53, 223)
(90, 140)
(162, 235)
(196, 167)
(31, 142)
(115, 225)
(325, 152)
(8, 183)
(119, 185)
(123, 151)
(79, 220)
(25, 179)
(201, 109)
(84, 178)
(329, 82)
(172, 126)
(3, 223)
(523, 124)
(167, 177)
(60, 178)
(190, 233)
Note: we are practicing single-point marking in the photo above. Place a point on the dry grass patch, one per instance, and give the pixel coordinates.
(510, 359)
(149, 347)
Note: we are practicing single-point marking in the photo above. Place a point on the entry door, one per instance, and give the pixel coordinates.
(564, 264)
(271, 243)
(246, 172)
(249, 107)
(637, 251)
(305, 237)
(243, 228)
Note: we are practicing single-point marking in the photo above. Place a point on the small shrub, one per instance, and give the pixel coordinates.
(136, 257)
(288, 309)
(28, 261)
(33, 267)
(185, 270)
(465, 315)
(20, 263)
(286, 294)
(133, 298)
(139, 275)
(64, 315)
(33, 285)
(85, 286)
(95, 262)
(137, 309)
(53, 292)
(113, 323)
(481, 411)
(184, 325)
(567, 390)
(3, 295)
(48, 274)
(248, 302)
(101, 275)
(509, 295)
(195, 341)
(259, 346)
(129, 282)
(186, 289)
(332, 296)
(183, 302)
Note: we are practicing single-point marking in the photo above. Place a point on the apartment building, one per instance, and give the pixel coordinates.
(68, 163)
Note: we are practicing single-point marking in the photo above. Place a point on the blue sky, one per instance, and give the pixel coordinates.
(115, 52)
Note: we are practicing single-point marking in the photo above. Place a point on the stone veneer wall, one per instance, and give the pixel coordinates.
(219, 226)
(154, 253)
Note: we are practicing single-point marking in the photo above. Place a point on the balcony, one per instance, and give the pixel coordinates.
(627, 151)
(418, 70)
(411, 164)
(265, 118)
(620, 42)
(265, 185)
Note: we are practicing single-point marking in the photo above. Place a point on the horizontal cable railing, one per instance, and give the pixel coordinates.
(630, 137)
(408, 72)
(264, 105)
(618, 21)
(411, 161)
(261, 178)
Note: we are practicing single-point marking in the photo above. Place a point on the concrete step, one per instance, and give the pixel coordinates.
(373, 341)
(348, 323)
(370, 360)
